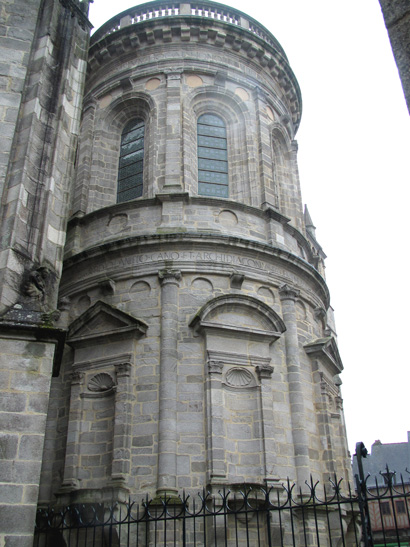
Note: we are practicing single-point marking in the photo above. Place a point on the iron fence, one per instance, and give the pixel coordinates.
(330, 515)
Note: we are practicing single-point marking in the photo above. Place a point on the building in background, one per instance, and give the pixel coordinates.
(387, 468)
(397, 18)
(156, 260)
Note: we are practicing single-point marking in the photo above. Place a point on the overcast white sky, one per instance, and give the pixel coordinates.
(354, 144)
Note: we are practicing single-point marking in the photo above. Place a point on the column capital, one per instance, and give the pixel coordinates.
(77, 378)
(264, 371)
(287, 292)
(169, 276)
(123, 369)
(215, 367)
(173, 74)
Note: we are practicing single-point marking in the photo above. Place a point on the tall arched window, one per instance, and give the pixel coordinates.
(212, 157)
(130, 169)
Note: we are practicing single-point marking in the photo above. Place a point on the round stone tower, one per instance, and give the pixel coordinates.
(201, 348)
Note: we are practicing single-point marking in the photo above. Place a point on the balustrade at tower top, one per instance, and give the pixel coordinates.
(211, 10)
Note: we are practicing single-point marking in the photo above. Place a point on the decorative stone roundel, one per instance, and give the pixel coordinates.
(194, 81)
(83, 303)
(202, 284)
(270, 114)
(238, 377)
(227, 218)
(141, 287)
(242, 93)
(152, 84)
(101, 382)
(265, 292)
(117, 223)
(105, 101)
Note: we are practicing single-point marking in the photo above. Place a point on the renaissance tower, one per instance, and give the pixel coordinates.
(196, 342)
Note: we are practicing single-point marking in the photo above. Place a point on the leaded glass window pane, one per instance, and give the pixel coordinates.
(212, 157)
(215, 190)
(212, 153)
(131, 164)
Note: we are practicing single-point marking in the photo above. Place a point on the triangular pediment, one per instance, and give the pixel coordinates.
(326, 348)
(101, 321)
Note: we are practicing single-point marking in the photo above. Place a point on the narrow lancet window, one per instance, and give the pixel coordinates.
(212, 157)
(130, 170)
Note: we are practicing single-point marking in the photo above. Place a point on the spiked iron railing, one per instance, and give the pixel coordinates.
(283, 515)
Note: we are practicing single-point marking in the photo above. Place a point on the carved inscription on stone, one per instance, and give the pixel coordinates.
(193, 256)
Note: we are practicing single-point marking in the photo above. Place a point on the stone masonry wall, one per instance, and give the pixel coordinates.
(25, 372)
(397, 19)
(16, 38)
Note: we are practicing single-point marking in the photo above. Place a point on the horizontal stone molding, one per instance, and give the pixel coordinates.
(230, 358)
(96, 223)
(115, 360)
(146, 255)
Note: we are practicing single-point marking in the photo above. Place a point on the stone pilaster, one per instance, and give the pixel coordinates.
(288, 296)
(268, 434)
(167, 429)
(269, 191)
(71, 464)
(325, 426)
(120, 468)
(85, 159)
(173, 131)
(298, 213)
(216, 463)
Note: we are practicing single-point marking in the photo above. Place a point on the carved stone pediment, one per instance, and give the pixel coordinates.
(326, 349)
(101, 321)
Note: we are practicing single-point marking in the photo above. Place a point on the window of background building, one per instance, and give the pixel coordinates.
(385, 508)
(130, 170)
(212, 157)
(400, 507)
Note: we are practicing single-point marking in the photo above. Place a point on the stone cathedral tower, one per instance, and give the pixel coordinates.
(194, 344)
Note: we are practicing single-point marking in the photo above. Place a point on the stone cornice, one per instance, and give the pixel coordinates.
(204, 31)
(221, 241)
(215, 11)
(266, 212)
